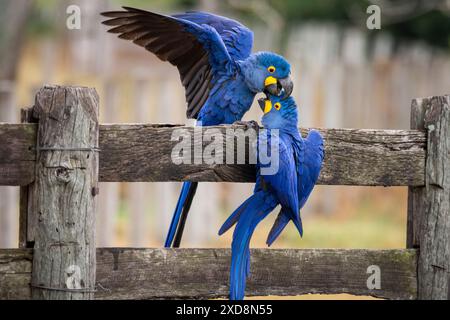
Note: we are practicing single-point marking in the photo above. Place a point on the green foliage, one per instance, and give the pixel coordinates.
(334, 10)
(432, 27)
(166, 5)
(41, 21)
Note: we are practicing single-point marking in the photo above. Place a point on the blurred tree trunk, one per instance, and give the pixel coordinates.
(13, 19)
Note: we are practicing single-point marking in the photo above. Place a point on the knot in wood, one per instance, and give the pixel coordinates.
(67, 112)
(63, 174)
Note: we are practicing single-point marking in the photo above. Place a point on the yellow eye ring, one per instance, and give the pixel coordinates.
(278, 106)
(271, 69)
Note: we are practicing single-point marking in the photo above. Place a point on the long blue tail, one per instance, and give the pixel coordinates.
(280, 223)
(180, 215)
(256, 208)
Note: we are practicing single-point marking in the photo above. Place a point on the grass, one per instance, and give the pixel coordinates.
(369, 218)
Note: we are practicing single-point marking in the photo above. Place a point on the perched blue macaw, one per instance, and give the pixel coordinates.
(299, 164)
(220, 74)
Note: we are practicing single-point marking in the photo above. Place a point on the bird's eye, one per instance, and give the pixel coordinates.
(278, 106)
(271, 69)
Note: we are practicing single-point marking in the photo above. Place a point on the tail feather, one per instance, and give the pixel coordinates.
(281, 223)
(184, 215)
(256, 209)
(234, 217)
(181, 212)
(298, 224)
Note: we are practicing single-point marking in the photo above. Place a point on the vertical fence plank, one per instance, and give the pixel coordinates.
(63, 197)
(25, 116)
(434, 258)
(416, 195)
(23, 212)
(429, 207)
(109, 195)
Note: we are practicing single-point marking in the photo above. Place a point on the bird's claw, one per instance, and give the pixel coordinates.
(252, 124)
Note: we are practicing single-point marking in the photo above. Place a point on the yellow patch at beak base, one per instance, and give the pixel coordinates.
(269, 81)
(267, 107)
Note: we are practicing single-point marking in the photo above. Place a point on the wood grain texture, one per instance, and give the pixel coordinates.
(62, 208)
(141, 153)
(416, 195)
(203, 273)
(15, 273)
(434, 214)
(353, 157)
(17, 157)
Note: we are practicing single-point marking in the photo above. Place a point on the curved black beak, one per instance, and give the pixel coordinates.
(287, 87)
(283, 88)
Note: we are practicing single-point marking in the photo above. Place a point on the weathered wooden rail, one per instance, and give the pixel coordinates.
(60, 152)
(141, 153)
(203, 273)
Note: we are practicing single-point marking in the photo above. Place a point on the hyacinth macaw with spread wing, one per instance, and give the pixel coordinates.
(299, 165)
(220, 74)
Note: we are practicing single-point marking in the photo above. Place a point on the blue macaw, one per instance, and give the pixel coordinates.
(220, 74)
(299, 164)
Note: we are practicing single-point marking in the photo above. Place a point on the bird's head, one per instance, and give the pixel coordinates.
(279, 113)
(269, 73)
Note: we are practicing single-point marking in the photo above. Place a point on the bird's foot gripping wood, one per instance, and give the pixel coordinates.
(248, 125)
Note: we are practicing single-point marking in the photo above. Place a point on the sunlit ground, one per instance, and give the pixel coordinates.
(317, 297)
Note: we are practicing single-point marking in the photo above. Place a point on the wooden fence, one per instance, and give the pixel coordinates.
(60, 153)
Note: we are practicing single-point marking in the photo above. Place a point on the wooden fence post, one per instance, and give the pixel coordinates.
(62, 199)
(25, 117)
(428, 207)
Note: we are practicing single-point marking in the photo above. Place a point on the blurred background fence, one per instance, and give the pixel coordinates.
(345, 77)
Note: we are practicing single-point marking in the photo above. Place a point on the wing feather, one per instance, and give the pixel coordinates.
(237, 38)
(284, 182)
(198, 51)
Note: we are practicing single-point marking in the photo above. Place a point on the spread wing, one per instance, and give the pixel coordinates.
(197, 51)
(237, 38)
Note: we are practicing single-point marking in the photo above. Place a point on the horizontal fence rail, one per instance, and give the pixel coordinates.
(142, 152)
(124, 273)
